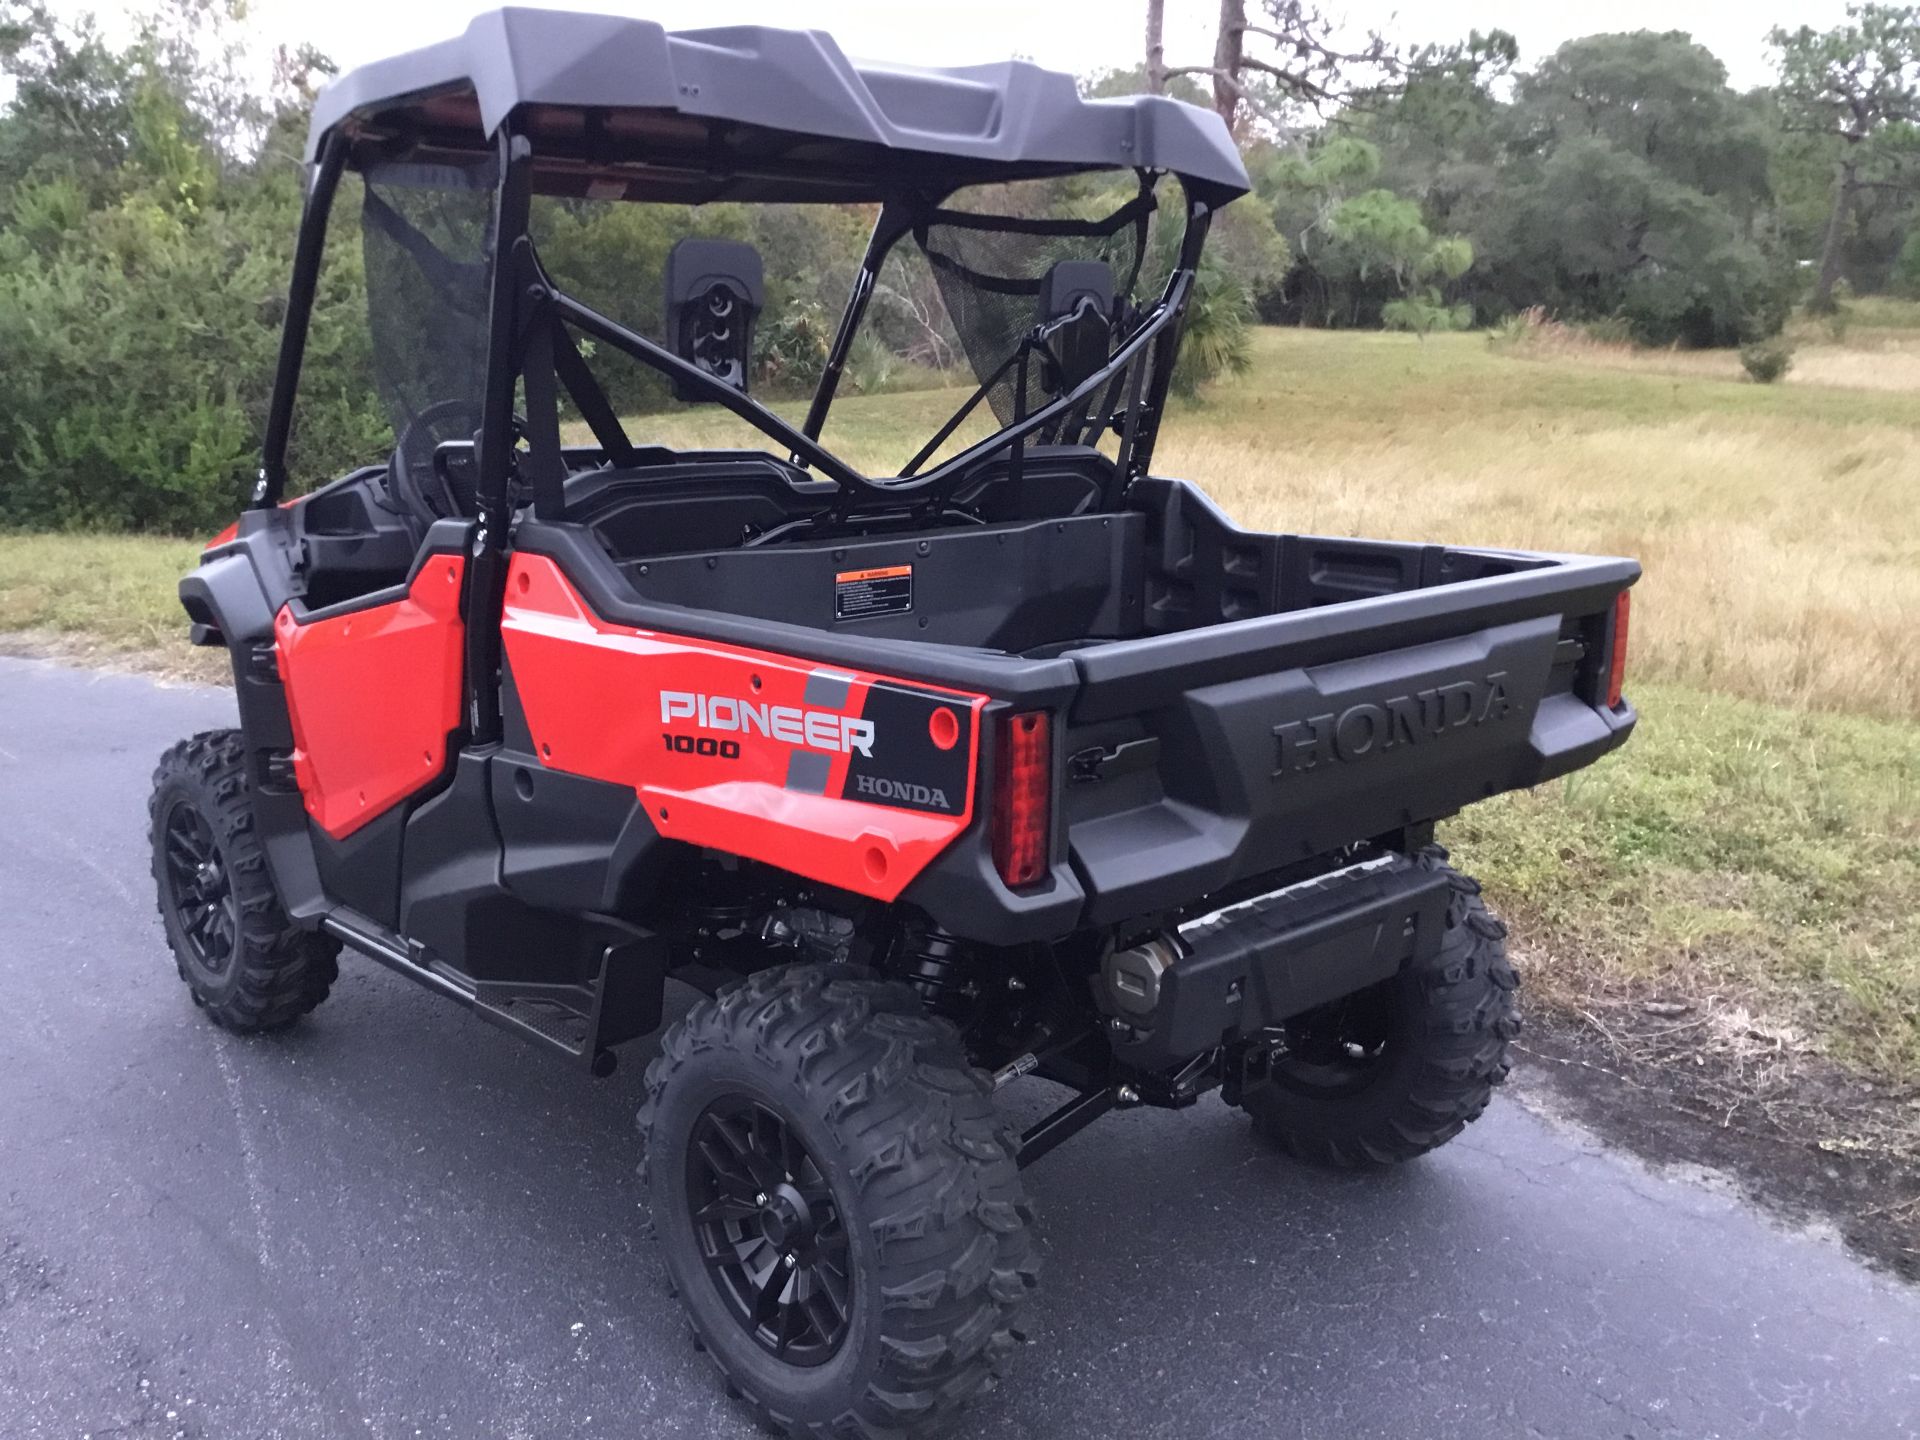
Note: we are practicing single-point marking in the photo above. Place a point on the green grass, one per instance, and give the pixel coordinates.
(1734, 850)
(1759, 839)
(102, 597)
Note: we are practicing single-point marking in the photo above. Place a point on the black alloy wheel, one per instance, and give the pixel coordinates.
(200, 890)
(768, 1228)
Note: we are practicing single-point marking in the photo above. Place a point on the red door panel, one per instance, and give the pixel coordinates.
(372, 696)
(853, 779)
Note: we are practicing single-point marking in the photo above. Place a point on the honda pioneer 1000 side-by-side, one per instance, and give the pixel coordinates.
(1010, 758)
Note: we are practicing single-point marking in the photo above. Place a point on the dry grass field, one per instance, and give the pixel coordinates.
(1754, 853)
(1779, 527)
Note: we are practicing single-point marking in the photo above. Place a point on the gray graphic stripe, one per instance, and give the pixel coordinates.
(807, 771)
(828, 689)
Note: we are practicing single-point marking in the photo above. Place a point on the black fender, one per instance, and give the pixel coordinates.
(240, 584)
(228, 602)
(225, 601)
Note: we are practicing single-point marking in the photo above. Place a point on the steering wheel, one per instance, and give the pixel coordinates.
(412, 481)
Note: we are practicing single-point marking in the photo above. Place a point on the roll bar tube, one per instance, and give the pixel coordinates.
(667, 363)
(512, 209)
(893, 221)
(271, 482)
(1143, 418)
(1166, 323)
(486, 582)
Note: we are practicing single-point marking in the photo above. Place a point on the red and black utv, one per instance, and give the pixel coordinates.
(1016, 759)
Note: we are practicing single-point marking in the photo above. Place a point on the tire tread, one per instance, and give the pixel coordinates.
(284, 970)
(932, 1164)
(1464, 1027)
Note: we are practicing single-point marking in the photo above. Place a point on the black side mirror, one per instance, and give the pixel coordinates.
(715, 291)
(1075, 333)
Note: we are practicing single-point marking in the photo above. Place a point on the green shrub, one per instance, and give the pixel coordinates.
(1906, 268)
(871, 366)
(1510, 332)
(1424, 312)
(1216, 336)
(790, 349)
(140, 351)
(1766, 360)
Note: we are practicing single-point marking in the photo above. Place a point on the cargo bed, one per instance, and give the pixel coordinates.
(1225, 703)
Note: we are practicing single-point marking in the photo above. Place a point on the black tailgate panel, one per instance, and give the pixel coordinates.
(1258, 772)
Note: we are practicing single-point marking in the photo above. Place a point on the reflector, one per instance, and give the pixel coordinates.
(1617, 671)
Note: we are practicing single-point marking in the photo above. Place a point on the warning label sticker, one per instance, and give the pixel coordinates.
(863, 594)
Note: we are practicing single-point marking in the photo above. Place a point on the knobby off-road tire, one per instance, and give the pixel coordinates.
(910, 1172)
(245, 963)
(1401, 1068)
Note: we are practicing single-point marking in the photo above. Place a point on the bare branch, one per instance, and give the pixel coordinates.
(1303, 87)
(1296, 49)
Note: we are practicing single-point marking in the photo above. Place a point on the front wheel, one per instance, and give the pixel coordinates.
(1400, 1068)
(245, 963)
(837, 1203)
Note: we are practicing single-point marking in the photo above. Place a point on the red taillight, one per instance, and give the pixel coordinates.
(1617, 667)
(1023, 800)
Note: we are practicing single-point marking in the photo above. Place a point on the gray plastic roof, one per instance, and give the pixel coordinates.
(992, 121)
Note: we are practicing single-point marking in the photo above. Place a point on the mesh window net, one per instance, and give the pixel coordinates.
(991, 270)
(424, 236)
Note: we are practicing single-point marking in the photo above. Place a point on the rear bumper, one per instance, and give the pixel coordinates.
(1261, 963)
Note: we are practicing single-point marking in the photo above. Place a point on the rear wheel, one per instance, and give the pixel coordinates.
(1400, 1068)
(242, 959)
(837, 1203)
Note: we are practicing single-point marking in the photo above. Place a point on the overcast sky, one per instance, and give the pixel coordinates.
(1076, 35)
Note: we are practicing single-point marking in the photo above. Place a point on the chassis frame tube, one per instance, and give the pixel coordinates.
(1065, 1123)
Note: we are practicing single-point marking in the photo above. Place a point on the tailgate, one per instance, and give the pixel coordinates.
(1196, 759)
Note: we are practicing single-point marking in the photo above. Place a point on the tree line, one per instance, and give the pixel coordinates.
(150, 191)
(1621, 180)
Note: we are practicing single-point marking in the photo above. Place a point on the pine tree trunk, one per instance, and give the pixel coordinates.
(1229, 47)
(1156, 47)
(1831, 250)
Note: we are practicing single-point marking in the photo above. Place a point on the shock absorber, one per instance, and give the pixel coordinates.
(935, 964)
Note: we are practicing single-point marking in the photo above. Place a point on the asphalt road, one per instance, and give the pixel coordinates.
(396, 1221)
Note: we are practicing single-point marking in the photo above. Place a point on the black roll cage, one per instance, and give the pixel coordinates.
(529, 319)
(528, 340)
